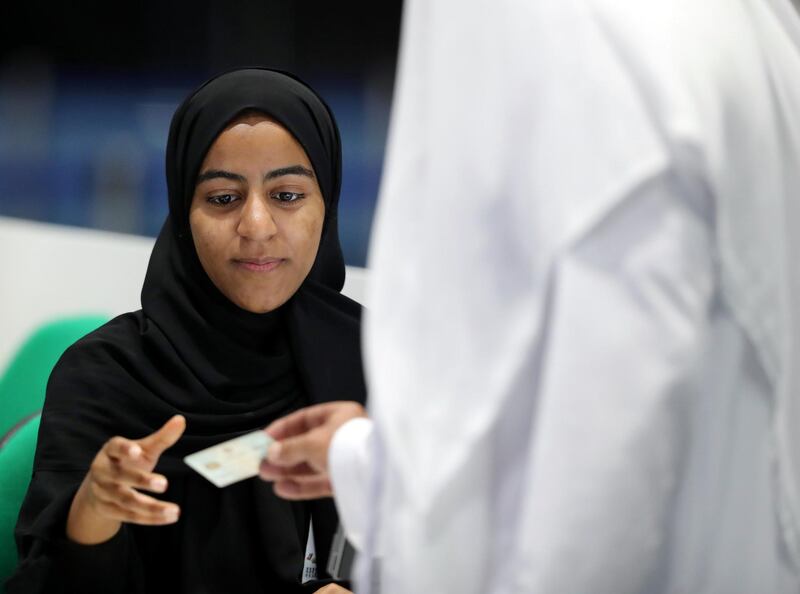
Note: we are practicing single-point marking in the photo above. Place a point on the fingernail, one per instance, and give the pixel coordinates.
(274, 452)
(134, 451)
(158, 484)
(171, 514)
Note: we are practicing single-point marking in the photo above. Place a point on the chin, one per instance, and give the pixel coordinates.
(259, 306)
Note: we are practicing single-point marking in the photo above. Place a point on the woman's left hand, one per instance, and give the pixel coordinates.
(332, 589)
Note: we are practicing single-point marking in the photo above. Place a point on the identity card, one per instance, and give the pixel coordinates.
(233, 460)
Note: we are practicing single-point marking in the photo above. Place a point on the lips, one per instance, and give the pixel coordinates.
(259, 264)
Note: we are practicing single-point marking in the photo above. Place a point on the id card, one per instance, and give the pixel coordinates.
(233, 460)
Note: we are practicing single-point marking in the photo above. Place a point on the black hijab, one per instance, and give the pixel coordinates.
(228, 371)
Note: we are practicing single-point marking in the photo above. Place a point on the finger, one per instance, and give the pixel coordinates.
(295, 423)
(119, 448)
(301, 490)
(155, 443)
(109, 470)
(310, 448)
(124, 471)
(271, 472)
(122, 474)
(302, 421)
(121, 514)
(136, 505)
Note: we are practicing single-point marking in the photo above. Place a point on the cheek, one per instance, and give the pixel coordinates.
(305, 236)
(207, 244)
(312, 232)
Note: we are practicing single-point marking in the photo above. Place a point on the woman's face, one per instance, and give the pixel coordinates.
(256, 214)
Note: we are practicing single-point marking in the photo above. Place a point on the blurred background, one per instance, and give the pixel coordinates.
(87, 93)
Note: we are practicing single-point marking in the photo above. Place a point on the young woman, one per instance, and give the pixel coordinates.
(242, 321)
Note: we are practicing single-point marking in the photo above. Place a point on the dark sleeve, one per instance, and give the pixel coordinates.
(50, 563)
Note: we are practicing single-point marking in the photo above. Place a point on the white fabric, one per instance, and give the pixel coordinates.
(350, 467)
(580, 343)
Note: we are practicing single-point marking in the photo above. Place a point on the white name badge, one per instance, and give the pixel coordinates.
(310, 560)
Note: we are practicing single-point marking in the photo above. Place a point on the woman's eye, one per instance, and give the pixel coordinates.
(222, 199)
(287, 196)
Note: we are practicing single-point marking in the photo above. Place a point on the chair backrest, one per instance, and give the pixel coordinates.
(23, 384)
(16, 466)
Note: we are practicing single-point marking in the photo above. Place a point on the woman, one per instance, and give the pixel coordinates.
(241, 322)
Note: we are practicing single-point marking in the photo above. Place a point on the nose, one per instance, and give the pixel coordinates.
(256, 221)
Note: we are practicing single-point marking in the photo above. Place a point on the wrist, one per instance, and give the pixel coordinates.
(85, 525)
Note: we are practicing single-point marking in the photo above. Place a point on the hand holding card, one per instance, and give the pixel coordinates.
(298, 462)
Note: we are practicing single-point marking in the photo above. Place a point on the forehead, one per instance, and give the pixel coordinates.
(256, 138)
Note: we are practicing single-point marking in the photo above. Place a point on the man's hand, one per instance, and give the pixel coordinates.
(298, 460)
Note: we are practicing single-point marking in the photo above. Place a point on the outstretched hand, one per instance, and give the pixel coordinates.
(111, 491)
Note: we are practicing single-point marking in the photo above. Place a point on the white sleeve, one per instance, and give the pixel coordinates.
(628, 329)
(350, 464)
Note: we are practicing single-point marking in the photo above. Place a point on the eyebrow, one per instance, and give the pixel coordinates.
(218, 173)
(275, 173)
(290, 170)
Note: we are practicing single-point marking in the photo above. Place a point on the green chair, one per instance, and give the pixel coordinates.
(22, 390)
(16, 466)
(23, 384)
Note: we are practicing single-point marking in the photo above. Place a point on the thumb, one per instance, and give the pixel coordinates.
(170, 432)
